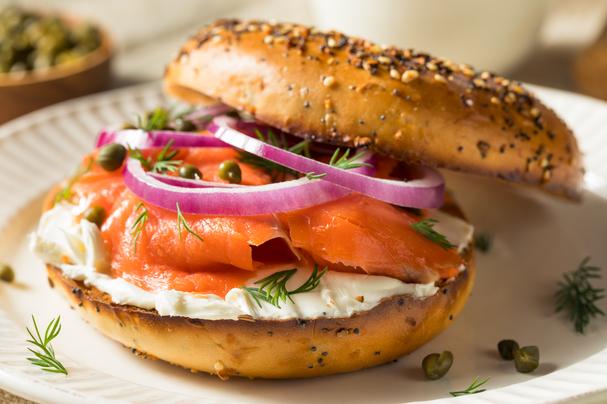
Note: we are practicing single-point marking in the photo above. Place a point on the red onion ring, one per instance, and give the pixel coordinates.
(189, 183)
(140, 139)
(425, 192)
(230, 201)
(202, 116)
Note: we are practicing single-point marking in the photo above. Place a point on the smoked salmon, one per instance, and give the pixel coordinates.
(354, 233)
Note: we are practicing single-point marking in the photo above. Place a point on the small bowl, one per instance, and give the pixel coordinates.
(23, 92)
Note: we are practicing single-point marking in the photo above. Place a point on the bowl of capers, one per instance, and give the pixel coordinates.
(46, 58)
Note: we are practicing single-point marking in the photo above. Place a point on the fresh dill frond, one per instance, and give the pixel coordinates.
(66, 193)
(483, 242)
(577, 297)
(273, 288)
(164, 160)
(44, 355)
(272, 168)
(155, 120)
(314, 176)
(473, 388)
(139, 224)
(344, 161)
(137, 154)
(425, 227)
(182, 222)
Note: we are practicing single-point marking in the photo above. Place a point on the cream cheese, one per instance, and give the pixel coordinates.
(76, 247)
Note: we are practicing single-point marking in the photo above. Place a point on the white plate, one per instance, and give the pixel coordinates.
(537, 238)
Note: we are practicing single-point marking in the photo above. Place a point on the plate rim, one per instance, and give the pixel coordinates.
(41, 390)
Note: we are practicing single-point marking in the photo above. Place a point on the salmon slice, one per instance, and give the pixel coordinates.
(355, 234)
(362, 234)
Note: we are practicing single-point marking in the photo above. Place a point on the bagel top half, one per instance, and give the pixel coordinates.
(408, 105)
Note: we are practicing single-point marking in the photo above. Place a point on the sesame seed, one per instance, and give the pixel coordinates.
(535, 112)
(485, 75)
(351, 87)
(268, 39)
(384, 60)
(328, 81)
(510, 98)
(495, 100)
(479, 83)
(440, 78)
(431, 66)
(409, 75)
(304, 91)
(331, 43)
(466, 70)
(398, 134)
(394, 74)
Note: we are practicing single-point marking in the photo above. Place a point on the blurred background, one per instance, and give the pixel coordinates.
(556, 43)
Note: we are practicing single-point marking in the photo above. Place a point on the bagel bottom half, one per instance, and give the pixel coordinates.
(274, 348)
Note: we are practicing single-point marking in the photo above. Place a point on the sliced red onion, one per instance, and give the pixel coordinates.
(231, 201)
(202, 116)
(189, 183)
(424, 192)
(137, 138)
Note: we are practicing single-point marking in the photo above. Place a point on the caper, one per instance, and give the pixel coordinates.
(527, 359)
(6, 273)
(95, 214)
(190, 171)
(506, 348)
(111, 156)
(183, 125)
(230, 171)
(40, 41)
(437, 365)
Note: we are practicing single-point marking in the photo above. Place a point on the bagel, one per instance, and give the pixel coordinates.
(276, 349)
(332, 89)
(405, 104)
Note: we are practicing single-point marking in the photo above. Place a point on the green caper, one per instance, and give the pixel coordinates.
(36, 40)
(95, 214)
(506, 348)
(437, 365)
(230, 171)
(111, 156)
(6, 273)
(527, 359)
(183, 125)
(190, 171)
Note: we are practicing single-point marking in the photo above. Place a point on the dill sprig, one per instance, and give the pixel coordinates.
(483, 242)
(182, 222)
(273, 288)
(154, 120)
(425, 227)
(577, 297)
(66, 193)
(473, 388)
(164, 160)
(44, 354)
(139, 224)
(137, 154)
(344, 162)
(272, 168)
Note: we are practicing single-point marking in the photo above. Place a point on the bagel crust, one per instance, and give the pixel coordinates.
(273, 349)
(338, 89)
